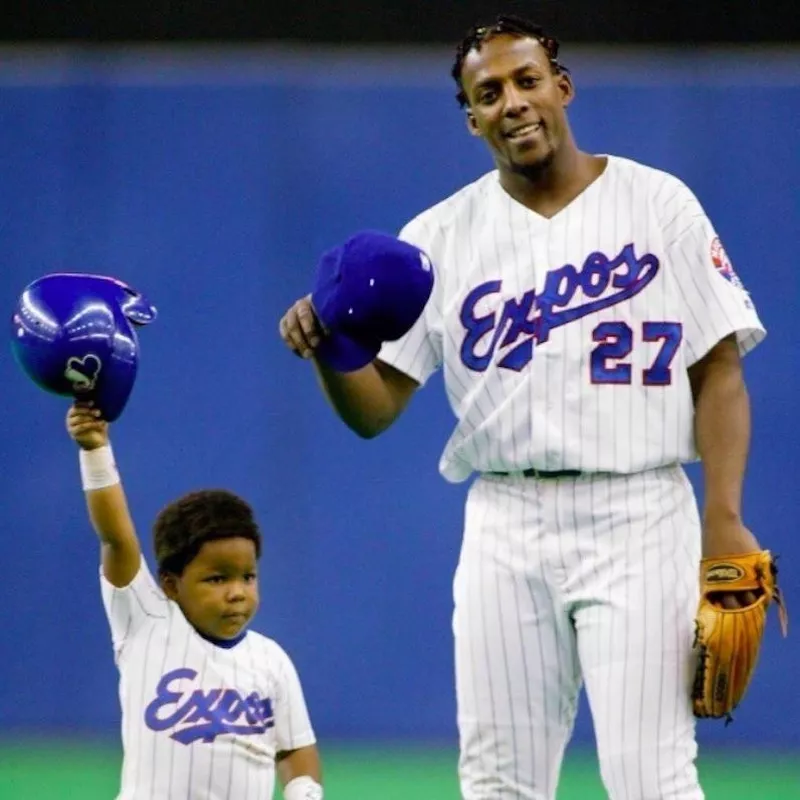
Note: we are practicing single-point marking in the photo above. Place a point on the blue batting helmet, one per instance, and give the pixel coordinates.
(75, 335)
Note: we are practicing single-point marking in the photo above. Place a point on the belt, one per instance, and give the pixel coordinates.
(532, 472)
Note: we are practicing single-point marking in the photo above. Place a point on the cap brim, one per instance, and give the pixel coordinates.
(345, 354)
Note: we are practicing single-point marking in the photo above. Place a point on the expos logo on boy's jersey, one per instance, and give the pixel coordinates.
(205, 714)
(601, 281)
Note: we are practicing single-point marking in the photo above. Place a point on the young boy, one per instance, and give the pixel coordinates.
(208, 708)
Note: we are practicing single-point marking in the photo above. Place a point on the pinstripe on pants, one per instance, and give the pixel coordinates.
(590, 579)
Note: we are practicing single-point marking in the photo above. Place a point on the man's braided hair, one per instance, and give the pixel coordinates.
(504, 23)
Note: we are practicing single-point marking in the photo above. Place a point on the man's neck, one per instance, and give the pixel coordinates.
(550, 189)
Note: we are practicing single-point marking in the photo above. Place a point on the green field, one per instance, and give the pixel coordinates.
(50, 772)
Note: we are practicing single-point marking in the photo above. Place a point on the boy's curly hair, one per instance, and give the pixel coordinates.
(186, 524)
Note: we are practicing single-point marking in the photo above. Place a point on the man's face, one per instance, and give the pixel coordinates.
(516, 102)
(218, 589)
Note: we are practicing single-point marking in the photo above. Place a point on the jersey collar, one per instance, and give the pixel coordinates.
(227, 644)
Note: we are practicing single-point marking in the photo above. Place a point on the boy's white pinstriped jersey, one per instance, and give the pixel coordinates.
(199, 720)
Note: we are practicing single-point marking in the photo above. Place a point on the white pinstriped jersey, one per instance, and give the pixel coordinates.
(199, 721)
(566, 341)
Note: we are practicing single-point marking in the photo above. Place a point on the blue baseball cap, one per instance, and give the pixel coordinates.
(369, 290)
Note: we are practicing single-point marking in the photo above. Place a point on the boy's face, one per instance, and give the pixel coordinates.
(218, 590)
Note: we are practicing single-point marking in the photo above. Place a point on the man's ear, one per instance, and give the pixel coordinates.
(567, 88)
(472, 124)
(169, 585)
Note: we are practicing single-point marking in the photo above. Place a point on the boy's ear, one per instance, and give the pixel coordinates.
(169, 585)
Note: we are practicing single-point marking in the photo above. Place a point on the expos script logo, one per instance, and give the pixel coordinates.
(204, 715)
(531, 318)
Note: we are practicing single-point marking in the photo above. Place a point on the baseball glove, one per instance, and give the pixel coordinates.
(728, 641)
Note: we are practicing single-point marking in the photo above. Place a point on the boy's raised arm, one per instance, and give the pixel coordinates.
(105, 497)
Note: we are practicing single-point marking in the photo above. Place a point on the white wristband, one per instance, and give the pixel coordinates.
(98, 469)
(302, 788)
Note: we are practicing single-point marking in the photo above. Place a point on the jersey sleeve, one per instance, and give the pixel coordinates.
(714, 299)
(292, 723)
(130, 607)
(418, 353)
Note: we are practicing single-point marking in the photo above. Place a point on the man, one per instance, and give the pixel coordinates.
(590, 327)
